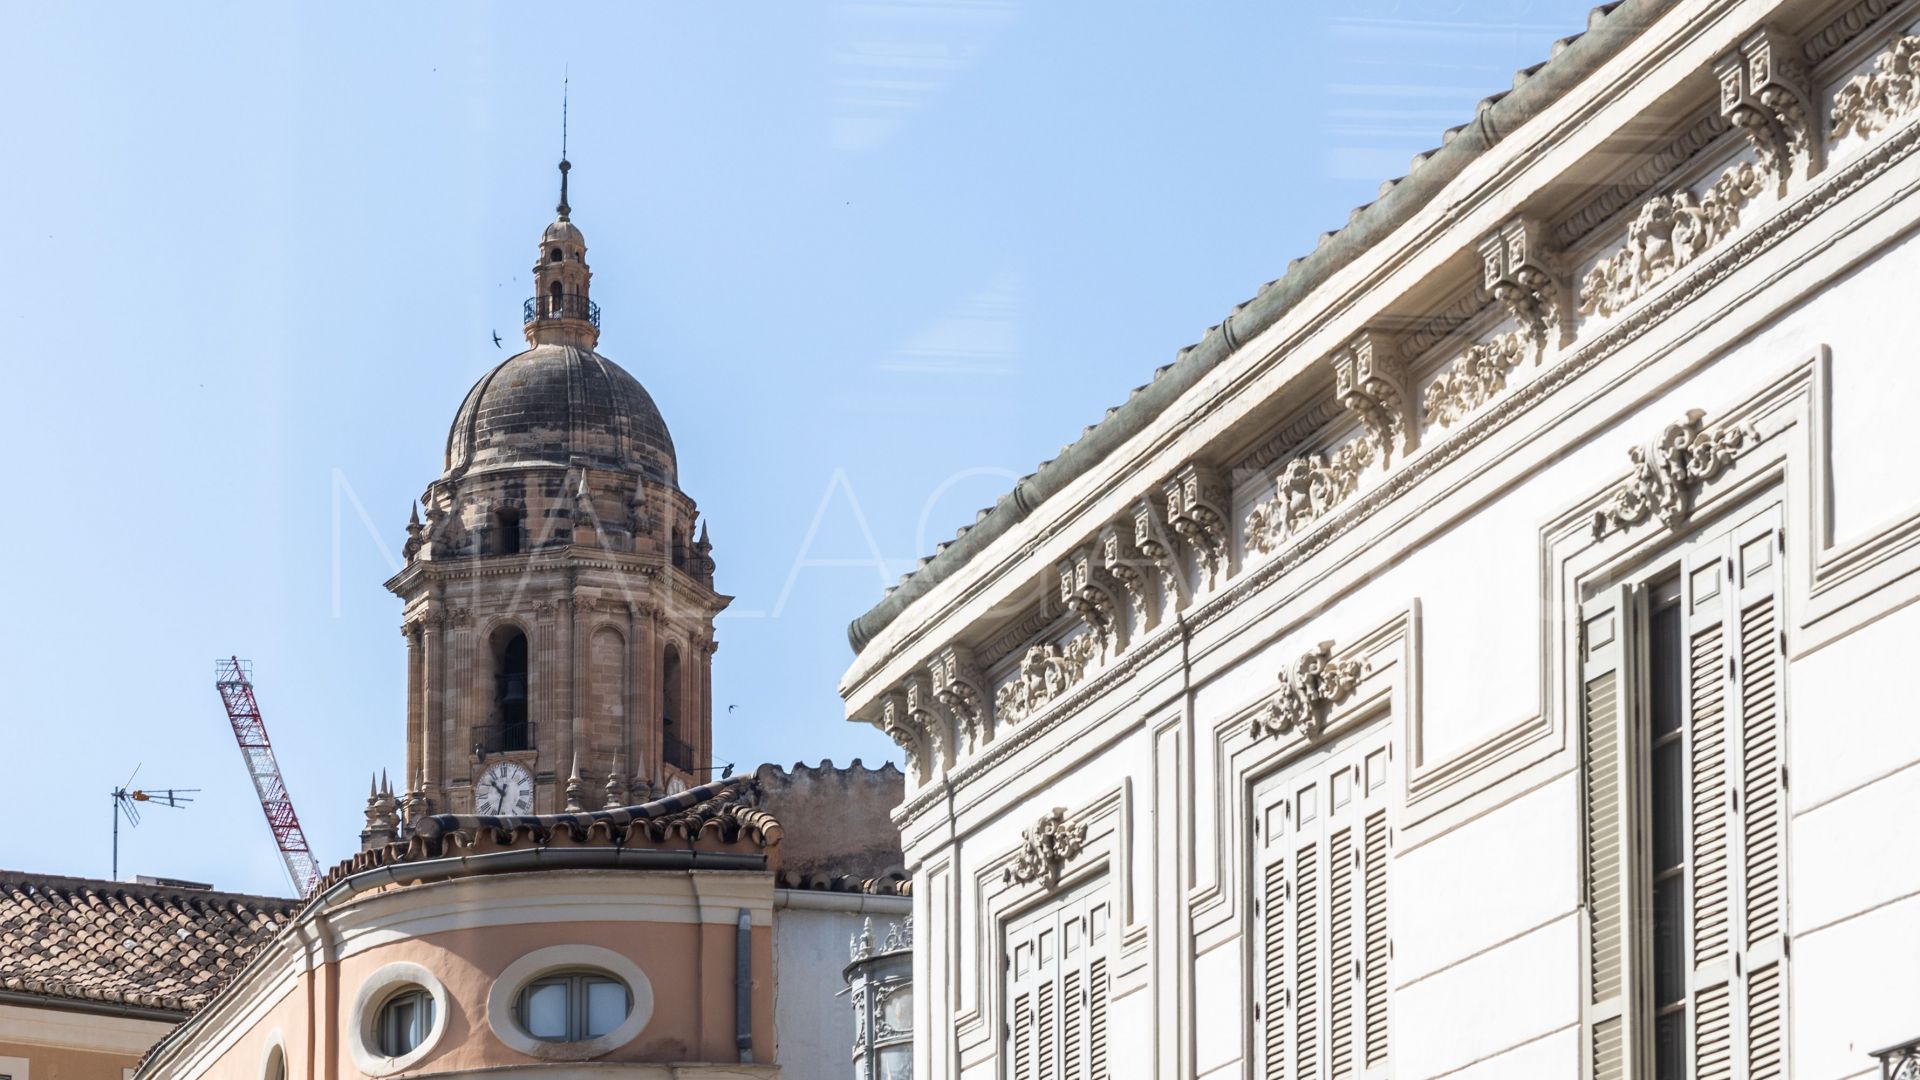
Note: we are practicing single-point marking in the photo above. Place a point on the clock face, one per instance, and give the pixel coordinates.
(505, 788)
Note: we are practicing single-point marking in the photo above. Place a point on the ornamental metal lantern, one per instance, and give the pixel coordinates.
(880, 983)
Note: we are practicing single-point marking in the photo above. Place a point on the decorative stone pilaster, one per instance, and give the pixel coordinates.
(1370, 379)
(1765, 91)
(1046, 847)
(1668, 472)
(1516, 271)
(961, 690)
(1197, 498)
(1088, 590)
(1308, 691)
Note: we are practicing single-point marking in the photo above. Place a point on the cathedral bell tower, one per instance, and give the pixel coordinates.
(558, 598)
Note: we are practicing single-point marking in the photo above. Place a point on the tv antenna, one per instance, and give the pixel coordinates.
(126, 803)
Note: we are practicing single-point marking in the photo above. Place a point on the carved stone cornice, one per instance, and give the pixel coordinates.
(961, 690)
(1370, 379)
(1133, 571)
(1046, 672)
(1875, 101)
(1516, 272)
(1703, 133)
(1668, 472)
(1197, 499)
(1668, 233)
(1472, 379)
(1308, 691)
(1046, 847)
(1306, 489)
(1090, 591)
(1159, 546)
(1765, 91)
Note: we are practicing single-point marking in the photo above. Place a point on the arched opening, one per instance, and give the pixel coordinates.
(553, 299)
(673, 744)
(554, 255)
(509, 728)
(506, 527)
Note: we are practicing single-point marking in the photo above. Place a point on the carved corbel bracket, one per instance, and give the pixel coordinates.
(961, 690)
(1309, 689)
(907, 731)
(1090, 591)
(1765, 91)
(1516, 270)
(1136, 574)
(1197, 499)
(1370, 378)
(1046, 847)
(1669, 471)
(1161, 548)
(931, 722)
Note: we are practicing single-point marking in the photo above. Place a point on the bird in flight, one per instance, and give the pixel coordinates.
(496, 339)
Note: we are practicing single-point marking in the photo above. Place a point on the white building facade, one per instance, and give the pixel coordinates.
(1484, 654)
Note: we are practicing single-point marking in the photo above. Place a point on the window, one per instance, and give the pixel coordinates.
(1321, 851)
(510, 728)
(1685, 794)
(405, 1019)
(553, 299)
(1057, 988)
(276, 1066)
(506, 524)
(554, 255)
(574, 1006)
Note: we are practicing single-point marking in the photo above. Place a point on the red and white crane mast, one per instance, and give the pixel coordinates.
(235, 683)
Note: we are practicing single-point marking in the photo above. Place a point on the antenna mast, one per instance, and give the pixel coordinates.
(234, 680)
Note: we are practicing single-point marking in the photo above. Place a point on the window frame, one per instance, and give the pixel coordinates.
(578, 1002)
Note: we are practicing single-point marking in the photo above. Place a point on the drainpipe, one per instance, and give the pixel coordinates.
(743, 986)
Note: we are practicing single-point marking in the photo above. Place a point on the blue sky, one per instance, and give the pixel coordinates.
(873, 260)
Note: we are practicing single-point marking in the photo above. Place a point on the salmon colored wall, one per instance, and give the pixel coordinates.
(690, 967)
(62, 1063)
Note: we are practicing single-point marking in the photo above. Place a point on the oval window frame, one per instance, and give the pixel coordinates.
(503, 1001)
(374, 992)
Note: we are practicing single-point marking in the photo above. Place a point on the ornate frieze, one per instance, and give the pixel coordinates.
(1088, 590)
(961, 690)
(1160, 547)
(1306, 489)
(1308, 691)
(1764, 91)
(1515, 271)
(1370, 379)
(1873, 102)
(1197, 498)
(1473, 379)
(1669, 232)
(1046, 847)
(1667, 472)
(1046, 672)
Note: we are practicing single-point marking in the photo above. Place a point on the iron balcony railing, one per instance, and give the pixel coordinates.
(1900, 1062)
(678, 754)
(502, 738)
(538, 308)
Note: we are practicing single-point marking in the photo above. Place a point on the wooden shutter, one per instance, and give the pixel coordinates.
(1737, 804)
(1057, 990)
(1606, 711)
(1321, 951)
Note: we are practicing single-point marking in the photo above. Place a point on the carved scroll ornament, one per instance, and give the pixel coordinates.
(1668, 472)
(1046, 672)
(1306, 489)
(1874, 102)
(1308, 691)
(1045, 847)
(1473, 379)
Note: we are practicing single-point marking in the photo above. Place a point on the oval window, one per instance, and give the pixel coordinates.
(405, 1019)
(574, 1006)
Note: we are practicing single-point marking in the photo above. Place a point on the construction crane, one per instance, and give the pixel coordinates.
(234, 679)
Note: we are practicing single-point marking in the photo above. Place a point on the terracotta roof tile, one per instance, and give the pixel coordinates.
(155, 946)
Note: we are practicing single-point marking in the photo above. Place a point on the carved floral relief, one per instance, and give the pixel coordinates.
(1308, 691)
(1473, 379)
(1873, 102)
(1046, 847)
(1669, 232)
(1668, 472)
(1046, 672)
(1306, 489)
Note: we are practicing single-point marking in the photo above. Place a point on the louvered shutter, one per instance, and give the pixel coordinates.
(1759, 944)
(1710, 793)
(1057, 990)
(1606, 696)
(1322, 952)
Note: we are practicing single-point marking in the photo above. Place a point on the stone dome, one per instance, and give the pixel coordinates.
(559, 404)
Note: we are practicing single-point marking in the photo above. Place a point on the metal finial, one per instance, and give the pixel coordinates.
(563, 208)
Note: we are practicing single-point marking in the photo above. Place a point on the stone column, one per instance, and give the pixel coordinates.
(432, 675)
(561, 689)
(703, 745)
(416, 702)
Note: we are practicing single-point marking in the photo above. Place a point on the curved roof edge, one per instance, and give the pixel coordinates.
(1609, 27)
